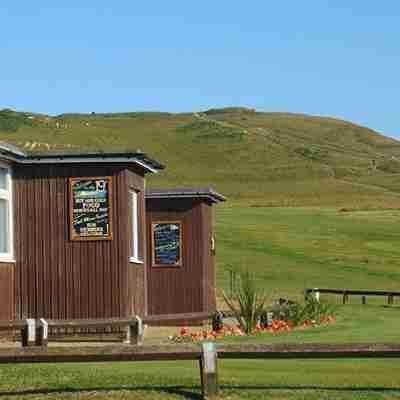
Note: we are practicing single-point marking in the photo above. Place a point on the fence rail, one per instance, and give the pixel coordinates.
(207, 354)
(350, 292)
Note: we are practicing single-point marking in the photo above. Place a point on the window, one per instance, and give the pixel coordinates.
(6, 229)
(135, 237)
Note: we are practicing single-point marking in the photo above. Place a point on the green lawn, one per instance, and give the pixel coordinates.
(290, 249)
(345, 379)
(293, 379)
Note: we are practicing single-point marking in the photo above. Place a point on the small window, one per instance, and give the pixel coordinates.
(166, 244)
(6, 231)
(135, 237)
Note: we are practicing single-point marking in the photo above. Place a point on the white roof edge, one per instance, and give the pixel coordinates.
(209, 196)
(62, 160)
(12, 149)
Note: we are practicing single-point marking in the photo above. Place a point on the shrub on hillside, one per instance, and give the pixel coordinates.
(311, 153)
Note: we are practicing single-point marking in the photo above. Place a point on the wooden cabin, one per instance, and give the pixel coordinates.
(73, 240)
(181, 250)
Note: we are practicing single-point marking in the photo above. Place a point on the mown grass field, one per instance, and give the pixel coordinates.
(293, 379)
(289, 249)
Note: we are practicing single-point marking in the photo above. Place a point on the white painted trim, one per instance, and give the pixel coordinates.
(134, 226)
(75, 160)
(135, 260)
(7, 258)
(7, 194)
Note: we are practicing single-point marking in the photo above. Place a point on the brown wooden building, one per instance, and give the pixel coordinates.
(180, 280)
(73, 236)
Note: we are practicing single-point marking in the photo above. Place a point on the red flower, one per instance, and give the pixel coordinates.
(184, 331)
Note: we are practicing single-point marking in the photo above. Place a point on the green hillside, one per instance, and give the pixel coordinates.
(260, 158)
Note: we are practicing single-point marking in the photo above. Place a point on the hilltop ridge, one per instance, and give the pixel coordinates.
(272, 158)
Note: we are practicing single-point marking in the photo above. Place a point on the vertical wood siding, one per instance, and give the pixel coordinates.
(7, 311)
(185, 288)
(59, 278)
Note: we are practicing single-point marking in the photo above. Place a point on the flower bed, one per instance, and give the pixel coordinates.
(276, 327)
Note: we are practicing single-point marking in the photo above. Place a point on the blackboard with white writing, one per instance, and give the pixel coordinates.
(167, 246)
(90, 209)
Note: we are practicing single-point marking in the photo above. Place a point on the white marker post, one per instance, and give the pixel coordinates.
(29, 333)
(208, 370)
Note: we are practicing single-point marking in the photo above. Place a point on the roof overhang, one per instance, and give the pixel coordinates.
(139, 159)
(193, 193)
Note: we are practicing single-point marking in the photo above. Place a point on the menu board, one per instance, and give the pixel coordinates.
(167, 246)
(90, 208)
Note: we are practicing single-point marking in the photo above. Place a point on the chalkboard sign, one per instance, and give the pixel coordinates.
(90, 208)
(167, 246)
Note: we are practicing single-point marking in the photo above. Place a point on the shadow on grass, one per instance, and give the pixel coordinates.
(189, 392)
(184, 392)
(313, 387)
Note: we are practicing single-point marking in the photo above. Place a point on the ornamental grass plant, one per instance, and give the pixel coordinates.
(247, 303)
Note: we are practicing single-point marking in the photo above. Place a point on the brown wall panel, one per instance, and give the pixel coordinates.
(7, 310)
(59, 278)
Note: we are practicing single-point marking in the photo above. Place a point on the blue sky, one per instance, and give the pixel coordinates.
(335, 58)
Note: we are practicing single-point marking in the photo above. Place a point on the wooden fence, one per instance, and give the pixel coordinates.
(208, 354)
(345, 293)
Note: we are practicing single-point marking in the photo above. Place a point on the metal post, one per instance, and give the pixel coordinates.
(231, 281)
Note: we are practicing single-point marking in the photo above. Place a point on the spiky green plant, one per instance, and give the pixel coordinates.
(247, 303)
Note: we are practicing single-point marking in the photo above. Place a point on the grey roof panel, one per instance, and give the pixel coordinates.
(8, 151)
(208, 193)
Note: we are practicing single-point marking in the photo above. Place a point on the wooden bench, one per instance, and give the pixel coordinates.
(349, 292)
(134, 327)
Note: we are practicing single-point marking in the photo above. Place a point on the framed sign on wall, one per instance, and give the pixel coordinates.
(166, 240)
(90, 208)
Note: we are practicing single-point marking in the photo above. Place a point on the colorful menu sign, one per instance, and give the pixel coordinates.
(90, 208)
(167, 246)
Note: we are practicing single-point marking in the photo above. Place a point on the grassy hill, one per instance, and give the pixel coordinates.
(259, 158)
